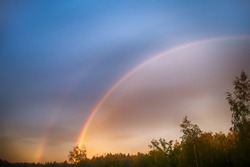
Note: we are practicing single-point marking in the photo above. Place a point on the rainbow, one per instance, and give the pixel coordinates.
(92, 114)
(42, 147)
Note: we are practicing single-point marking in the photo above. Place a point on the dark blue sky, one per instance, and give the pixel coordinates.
(58, 58)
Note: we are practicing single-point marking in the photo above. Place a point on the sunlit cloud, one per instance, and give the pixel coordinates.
(153, 100)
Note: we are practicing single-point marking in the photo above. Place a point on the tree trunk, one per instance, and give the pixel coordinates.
(195, 154)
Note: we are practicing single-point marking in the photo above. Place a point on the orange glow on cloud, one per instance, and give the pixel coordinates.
(156, 85)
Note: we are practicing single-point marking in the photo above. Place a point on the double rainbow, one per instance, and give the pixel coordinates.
(86, 125)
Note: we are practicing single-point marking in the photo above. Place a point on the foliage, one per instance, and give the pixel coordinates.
(78, 155)
(190, 131)
(164, 153)
(239, 102)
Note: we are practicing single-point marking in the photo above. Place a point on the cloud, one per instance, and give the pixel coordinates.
(153, 101)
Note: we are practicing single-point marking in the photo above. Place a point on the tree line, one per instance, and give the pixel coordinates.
(197, 148)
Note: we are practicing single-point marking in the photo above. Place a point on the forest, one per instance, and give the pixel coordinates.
(196, 148)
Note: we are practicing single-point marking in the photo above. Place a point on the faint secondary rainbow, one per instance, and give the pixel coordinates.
(40, 152)
(42, 146)
(127, 75)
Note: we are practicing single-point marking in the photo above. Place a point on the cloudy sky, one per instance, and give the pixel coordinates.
(59, 59)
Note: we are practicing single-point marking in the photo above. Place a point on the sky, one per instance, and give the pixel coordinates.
(91, 66)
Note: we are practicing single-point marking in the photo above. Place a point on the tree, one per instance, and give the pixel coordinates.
(239, 102)
(191, 134)
(162, 152)
(190, 131)
(78, 155)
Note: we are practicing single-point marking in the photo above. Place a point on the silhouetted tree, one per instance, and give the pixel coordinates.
(78, 155)
(239, 102)
(191, 133)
